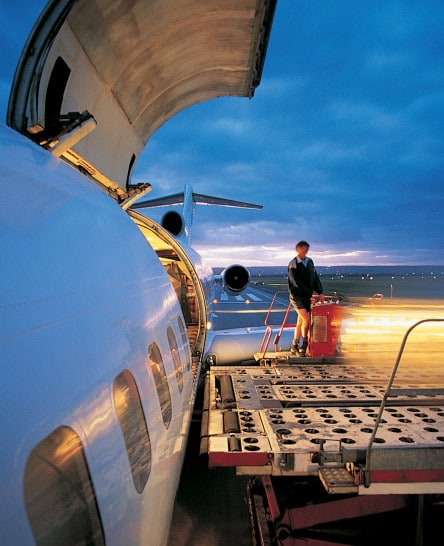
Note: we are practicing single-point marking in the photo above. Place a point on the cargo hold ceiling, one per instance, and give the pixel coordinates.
(120, 69)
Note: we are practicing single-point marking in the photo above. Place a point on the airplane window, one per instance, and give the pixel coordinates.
(59, 495)
(183, 333)
(161, 380)
(176, 357)
(133, 424)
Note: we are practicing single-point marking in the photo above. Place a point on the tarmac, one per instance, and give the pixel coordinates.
(210, 508)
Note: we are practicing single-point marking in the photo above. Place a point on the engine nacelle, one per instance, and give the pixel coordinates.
(235, 279)
(174, 222)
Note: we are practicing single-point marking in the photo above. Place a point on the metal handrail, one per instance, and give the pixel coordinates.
(272, 305)
(284, 324)
(266, 340)
(389, 392)
(269, 327)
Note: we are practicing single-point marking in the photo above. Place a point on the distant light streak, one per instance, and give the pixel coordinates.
(375, 333)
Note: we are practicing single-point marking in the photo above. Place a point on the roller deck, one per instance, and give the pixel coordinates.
(353, 440)
(287, 418)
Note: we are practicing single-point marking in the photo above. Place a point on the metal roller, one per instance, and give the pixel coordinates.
(234, 444)
(226, 391)
(231, 422)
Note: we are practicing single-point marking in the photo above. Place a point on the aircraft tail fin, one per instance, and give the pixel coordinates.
(180, 226)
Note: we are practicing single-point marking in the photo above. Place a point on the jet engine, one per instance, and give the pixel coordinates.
(174, 222)
(235, 279)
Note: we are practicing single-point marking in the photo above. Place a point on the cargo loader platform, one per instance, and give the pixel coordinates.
(318, 419)
(331, 444)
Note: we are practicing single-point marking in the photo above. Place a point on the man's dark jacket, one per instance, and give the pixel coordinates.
(303, 280)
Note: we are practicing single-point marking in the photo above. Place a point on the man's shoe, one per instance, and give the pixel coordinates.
(294, 350)
(303, 347)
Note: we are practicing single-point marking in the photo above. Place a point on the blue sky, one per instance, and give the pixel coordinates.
(342, 143)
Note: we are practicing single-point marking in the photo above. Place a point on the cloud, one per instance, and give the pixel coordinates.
(342, 142)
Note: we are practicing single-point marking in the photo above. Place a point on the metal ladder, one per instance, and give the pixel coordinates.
(269, 327)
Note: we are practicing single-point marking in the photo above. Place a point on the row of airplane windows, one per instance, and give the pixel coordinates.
(57, 468)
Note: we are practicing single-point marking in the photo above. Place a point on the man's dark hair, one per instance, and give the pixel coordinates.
(302, 243)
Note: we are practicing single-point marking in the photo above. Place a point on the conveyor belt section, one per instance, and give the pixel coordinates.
(318, 420)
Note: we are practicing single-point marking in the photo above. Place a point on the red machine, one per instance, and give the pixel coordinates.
(325, 328)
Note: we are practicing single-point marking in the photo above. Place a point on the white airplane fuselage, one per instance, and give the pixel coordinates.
(83, 298)
(103, 311)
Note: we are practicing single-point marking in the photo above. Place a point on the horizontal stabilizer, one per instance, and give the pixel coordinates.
(180, 225)
(198, 199)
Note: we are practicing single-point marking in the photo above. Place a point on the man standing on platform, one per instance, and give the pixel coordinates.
(303, 280)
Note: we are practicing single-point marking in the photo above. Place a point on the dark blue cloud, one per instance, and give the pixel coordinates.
(17, 19)
(342, 142)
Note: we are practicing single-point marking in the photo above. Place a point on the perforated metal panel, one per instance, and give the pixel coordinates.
(301, 419)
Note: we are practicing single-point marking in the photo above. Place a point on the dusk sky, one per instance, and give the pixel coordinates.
(343, 142)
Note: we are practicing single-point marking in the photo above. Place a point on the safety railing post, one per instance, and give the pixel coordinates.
(387, 393)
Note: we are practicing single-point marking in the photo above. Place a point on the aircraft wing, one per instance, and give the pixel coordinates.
(97, 78)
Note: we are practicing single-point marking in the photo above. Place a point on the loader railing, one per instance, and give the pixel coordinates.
(391, 392)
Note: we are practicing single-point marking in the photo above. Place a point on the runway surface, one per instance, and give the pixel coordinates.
(248, 309)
